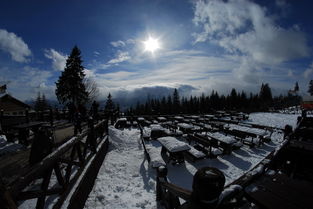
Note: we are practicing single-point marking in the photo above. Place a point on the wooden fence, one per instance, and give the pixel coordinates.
(85, 152)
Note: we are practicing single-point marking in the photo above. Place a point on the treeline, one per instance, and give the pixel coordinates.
(239, 101)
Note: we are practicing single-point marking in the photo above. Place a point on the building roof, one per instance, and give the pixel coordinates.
(9, 103)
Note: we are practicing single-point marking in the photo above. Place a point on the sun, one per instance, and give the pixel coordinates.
(151, 44)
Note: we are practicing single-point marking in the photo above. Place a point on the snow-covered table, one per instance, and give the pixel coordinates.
(174, 148)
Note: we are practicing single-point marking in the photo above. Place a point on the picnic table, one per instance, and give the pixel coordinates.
(184, 127)
(277, 190)
(174, 148)
(226, 142)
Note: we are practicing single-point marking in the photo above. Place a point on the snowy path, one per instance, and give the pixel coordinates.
(126, 181)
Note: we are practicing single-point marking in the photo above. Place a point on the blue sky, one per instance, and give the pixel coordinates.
(205, 45)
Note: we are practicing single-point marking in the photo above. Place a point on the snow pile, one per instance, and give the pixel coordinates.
(173, 145)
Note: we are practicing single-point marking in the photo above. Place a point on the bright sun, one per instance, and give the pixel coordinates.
(151, 44)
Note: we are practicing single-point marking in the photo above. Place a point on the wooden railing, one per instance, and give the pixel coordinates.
(76, 152)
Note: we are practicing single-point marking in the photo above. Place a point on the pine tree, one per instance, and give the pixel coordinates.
(176, 101)
(265, 93)
(296, 87)
(41, 103)
(109, 106)
(311, 88)
(70, 87)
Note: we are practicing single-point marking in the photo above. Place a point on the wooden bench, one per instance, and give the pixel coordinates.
(195, 154)
(204, 144)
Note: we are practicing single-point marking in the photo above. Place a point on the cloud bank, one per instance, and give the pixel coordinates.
(246, 30)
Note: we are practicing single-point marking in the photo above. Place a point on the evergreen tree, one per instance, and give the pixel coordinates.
(176, 101)
(109, 106)
(265, 93)
(296, 87)
(41, 103)
(311, 88)
(70, 87)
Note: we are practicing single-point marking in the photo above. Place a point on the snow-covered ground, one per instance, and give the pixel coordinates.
(125, 179)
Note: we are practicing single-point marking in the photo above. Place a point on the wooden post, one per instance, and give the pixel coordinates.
(91, 135)
(51, 117)
(208, 184)
(161, 174)
(1, 119)
(27, 115)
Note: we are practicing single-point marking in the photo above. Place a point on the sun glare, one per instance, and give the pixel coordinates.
(151, 44)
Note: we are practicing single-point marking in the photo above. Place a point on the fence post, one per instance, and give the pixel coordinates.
(51, 117)
(1, 119)
(161, 174)
(27, 115)
(91, 135)
(208, 184)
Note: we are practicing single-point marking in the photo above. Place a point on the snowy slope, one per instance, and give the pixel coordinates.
(126, 181)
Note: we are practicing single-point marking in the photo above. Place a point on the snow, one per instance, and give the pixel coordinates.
(8, 147)
(196, 152)
(185, 125)
(156, 159)
(173, 145)
(126, 180)
(277, 120)
(222, 137)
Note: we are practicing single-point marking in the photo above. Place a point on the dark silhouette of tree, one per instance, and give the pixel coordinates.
(265, 96)
(176, 102)
(311, 88)
(296, 89)
(70, 87)
(265, 93)
(91, 89)
(209, 104)
(41, 103)
(109, 106)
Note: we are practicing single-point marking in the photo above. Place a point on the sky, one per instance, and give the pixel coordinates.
(203, 45)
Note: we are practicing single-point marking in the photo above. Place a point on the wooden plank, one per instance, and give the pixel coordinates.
(85, 186)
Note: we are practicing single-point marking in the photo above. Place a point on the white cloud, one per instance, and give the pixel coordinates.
(118, 43)
(308, 72)
(245, 29)
(120, 57)
(14, 45)
(58, 59)
(121, 43)
(96, 53)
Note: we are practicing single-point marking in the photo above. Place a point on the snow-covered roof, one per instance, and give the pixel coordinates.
(172, 144)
